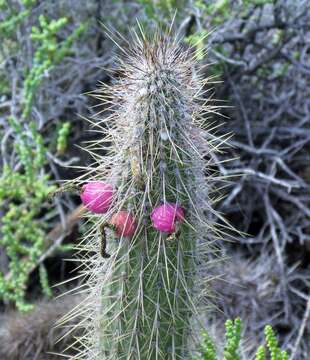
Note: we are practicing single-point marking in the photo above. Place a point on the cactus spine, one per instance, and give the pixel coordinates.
(144, 300)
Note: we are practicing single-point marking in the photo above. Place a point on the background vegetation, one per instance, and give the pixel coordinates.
(53, 52)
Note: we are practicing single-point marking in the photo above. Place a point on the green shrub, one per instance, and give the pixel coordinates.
(208, 348)
(24, 185)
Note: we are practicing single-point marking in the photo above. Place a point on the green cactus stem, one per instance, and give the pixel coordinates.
(145, 300)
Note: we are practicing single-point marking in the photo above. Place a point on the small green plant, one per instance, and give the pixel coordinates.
(62, 139)
(208, 348)
(14, 18)
(159, 13)
(22, 233)
(49, 53)
(22, 196)
(160, 10)
(233, 337)
(273, 346)
(47, 291)
(25, 182)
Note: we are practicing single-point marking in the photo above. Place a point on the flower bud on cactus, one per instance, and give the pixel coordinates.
(97, 196)
(164, 217)
(123, 223)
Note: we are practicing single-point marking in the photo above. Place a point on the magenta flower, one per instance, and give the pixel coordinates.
(97, 196)
(124, 223)
(165, 217)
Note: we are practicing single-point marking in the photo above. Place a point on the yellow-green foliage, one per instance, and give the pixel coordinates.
(197, 40)
(22, 195)
(14, 17)
(161, 11)
(153, 8)
(49, 53)
(260, 353)
(207, 348)
(273, 346)
(233, 336)
(44, 281)
(24, 185)
(232, 347)
(62, 138)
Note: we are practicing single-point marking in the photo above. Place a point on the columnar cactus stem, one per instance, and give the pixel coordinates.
(145, 299)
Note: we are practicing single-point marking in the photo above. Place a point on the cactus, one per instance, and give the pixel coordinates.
(145, 300)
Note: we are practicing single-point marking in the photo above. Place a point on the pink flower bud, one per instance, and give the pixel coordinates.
(124, 223)
(164, 217)
(97, 196)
